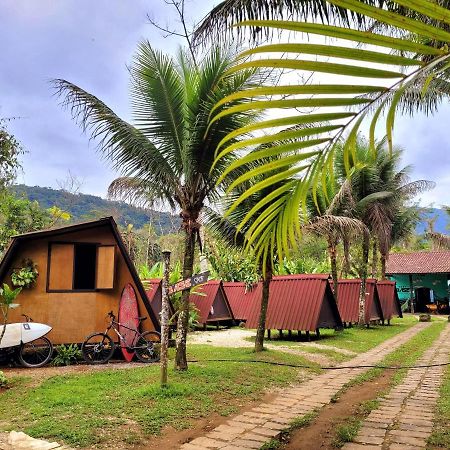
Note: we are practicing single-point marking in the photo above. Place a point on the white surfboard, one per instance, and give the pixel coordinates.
(18, 333)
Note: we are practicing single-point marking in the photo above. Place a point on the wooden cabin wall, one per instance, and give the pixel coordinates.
(73, 315)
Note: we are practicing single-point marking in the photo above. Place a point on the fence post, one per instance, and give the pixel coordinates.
(165, 318)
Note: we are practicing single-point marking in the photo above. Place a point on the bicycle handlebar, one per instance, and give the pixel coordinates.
(111, 315)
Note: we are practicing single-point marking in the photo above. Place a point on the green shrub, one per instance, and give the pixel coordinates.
(66, 355)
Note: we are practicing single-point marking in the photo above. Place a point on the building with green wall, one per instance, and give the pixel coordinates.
(422, 279)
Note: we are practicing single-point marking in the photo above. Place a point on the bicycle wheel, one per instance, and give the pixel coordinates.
(148, 347)
(98, 348)
(36, 353)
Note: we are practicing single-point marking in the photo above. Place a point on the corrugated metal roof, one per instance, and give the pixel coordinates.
(241, 297)
(296, 303)
(208, 293)
(390, 303)
(419, 262)
(348, 300)
(373, 308)
(154, 295)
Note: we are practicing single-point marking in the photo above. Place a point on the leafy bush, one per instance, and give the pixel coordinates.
(3, 380)
(25, 276)
(66, 355)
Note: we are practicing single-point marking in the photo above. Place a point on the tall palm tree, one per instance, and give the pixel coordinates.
(330, 212)
(380, 192)
(166, 156)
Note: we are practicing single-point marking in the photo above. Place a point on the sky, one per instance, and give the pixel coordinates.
(90, 44)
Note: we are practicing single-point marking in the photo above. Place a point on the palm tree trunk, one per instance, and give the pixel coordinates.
(362, 294)
(374, 258)
(383, 265)
(333, 263)
(267, 278)
(346, 245)
(183, 316)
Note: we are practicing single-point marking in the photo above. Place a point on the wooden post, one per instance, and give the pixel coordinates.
(317, 332)
(411, 293)
(299, 335)
(290, 334)
(165, 318)
(281, 334)
(308, 338)
(268, 334)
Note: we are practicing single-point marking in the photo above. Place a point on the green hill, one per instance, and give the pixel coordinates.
(88, 207)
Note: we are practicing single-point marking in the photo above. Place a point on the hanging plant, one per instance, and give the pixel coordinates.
(26, 275)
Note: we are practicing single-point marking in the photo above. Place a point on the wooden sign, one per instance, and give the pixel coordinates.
(188, 283)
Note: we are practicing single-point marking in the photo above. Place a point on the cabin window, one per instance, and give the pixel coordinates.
(80, 267)
(85, 259)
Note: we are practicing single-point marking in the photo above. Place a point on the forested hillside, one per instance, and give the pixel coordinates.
(88, 207)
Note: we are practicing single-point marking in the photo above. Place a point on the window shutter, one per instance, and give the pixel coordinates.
(60, 274)
(106, 258)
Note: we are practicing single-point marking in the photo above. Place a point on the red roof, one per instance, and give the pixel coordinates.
(212, 303)
(154, 295)
(298, 302)
(390, 303)
(373, 308)
(241, 297)
(419, 262)
(348, 301)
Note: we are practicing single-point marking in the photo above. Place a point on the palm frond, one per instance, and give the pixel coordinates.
(280, 223)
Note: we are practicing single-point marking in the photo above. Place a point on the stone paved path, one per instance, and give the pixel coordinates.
(404, 419)
(14, 440)
(252, 429)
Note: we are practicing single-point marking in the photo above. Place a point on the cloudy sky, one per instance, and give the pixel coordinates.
(90, 43)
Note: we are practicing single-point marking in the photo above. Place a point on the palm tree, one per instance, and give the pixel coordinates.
(167, 155)
(329, 209)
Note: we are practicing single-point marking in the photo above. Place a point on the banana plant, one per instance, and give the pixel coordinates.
(401, 63)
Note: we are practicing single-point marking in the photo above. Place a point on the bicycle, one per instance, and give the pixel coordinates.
(98, 348)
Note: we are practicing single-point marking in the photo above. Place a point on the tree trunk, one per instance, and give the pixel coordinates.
(346, 245)
(333, 263)
(183, 315)
(267, 278)
(4, 310)
(165, 318)
(383, 265)
(362, 294)
(374, 258)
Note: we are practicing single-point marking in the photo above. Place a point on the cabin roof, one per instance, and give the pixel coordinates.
(296, 302)
(419, 262)
(204, 298)
(104, 221)
(241, 297)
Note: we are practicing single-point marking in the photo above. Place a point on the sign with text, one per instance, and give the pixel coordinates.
(195, 280)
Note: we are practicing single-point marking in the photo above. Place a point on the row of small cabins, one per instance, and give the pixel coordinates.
(296, 302)
(83, 269)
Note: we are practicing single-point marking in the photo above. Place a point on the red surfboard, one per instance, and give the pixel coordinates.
(128, 316)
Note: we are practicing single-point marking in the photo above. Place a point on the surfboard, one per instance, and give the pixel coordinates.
(18, 333)
(128, 316)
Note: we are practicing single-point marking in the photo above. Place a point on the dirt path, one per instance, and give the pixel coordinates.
(321, 433)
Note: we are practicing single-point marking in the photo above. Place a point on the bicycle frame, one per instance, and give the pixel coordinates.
(114, 326)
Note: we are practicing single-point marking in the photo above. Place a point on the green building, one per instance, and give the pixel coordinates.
(422, 279)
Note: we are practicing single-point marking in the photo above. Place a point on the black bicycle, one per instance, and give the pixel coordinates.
(98, 348)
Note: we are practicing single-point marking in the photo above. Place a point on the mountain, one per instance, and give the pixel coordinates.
(90, 207)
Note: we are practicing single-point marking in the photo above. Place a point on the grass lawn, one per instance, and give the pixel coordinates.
(97, 407)
(355, 339)
(441, 430)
